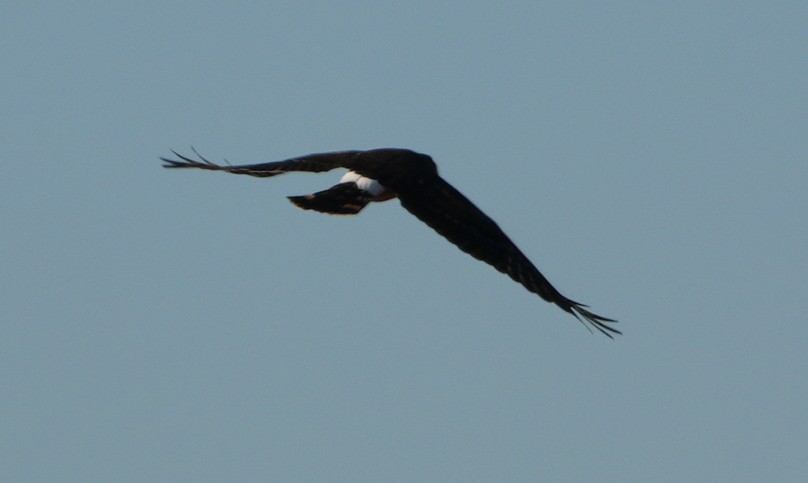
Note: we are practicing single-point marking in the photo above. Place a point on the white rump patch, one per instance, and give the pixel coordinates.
(370, 186)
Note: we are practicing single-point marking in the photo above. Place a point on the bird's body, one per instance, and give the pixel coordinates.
(383, 174)
(368, 185)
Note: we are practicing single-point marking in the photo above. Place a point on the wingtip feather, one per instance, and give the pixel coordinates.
(593, 320)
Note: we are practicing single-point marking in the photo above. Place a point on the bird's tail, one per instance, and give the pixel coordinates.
(341, 199)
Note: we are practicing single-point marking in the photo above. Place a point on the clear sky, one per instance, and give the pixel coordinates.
(650, 157)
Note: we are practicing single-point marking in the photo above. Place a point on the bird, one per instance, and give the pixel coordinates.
(378, 175)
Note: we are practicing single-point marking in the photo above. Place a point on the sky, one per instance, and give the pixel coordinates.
(651, 158)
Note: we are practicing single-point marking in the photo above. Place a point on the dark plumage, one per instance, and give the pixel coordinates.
(382, 174)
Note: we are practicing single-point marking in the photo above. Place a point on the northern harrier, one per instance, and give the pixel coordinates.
(383, 174)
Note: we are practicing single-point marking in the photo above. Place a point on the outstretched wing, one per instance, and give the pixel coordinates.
(313, 163)
(447, 211)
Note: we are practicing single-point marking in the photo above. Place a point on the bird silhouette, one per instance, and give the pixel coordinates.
(383, 174)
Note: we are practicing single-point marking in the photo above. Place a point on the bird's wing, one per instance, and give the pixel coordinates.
(313, 163)
(447, 211)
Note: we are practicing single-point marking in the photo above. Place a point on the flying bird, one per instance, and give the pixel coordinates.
(383, 174)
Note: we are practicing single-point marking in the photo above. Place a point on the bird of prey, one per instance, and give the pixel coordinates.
(383, 174)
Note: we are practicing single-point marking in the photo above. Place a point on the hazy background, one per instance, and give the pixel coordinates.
(650, 157)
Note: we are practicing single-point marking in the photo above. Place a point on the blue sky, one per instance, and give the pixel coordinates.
(649, 157)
